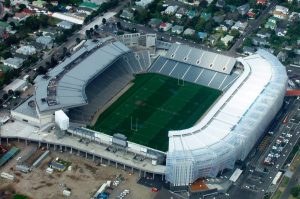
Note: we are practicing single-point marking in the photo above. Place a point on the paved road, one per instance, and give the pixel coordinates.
(252, 26)
(292, 183)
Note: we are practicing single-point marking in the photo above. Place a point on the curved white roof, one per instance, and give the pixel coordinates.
(232, 126)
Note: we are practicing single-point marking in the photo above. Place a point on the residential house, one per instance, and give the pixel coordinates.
(90, 5)
(229, 23)
(282, 56)
(143, 3)
(45, 40)
(5, 26)
(171, 10)
(206, 16)
(296, 60)
(219, 18)
(220, 3)
(126, 14)
(64, 25)
(26, 50)
(281, 12)
(154, 22)
(13, 62)
(280, 32)
(165, 26)
(192, 13)
(261, 2)
(248, 50)
(98, 2)
(227, 39)
(243, 9)
(240, 26)
(214, 38)
(38, 46)
(181, 12)
(177, 29)
(189, 32)
(57, 166)
(85, 10)
(251, 13)
(20, 16)
(222, 27)
(39, 4)
(271, 23)
(257, 41)
(263, 34)
(202, 35)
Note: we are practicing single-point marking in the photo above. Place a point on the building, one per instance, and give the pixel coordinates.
(240, 26)
(257, 41)
(91, 5)
(13, 62)
(85, 10)
(155, 22)
(227, 39)
(171, 10)
(202, 35)
(39, 4)
(165, 26)
(26, 50)
(248, 50)
(189, 32)
(69, 17)
(98, 2)
(57, 166)
(243, 9)
(177, 29)
(65, 24)
(126, 14)
(181, 12)
(214, 38)
(206, 16)
(271, 23)
(261, 2)
(143, 3)
(16, 85)
(45, 40)
(280, 32)
(281, 12)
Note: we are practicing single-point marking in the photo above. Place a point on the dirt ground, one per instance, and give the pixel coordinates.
(84, 179)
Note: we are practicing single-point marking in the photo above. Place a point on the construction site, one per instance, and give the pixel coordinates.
(80, 179)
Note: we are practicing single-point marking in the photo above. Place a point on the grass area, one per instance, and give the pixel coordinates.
(18, 196)
(277, 194)
(285, 181)
(154, 105)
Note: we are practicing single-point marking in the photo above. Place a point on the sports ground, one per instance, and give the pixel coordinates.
(152, 106)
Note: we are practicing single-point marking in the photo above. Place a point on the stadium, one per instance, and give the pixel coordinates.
(192, 112)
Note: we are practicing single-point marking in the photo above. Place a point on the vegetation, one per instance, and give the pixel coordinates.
(295, 191)
(18, 196)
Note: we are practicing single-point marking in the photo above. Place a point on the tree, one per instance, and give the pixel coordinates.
(41, 70)
(103, 21)
(18, 93)
(96, 27)
(5, 96)
(77, 40)
(295, 191)
(234, 33)
(7, 3)
(11, 92)
(22, 7)
(119, 25)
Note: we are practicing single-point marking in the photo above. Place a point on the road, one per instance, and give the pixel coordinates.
(252, 27)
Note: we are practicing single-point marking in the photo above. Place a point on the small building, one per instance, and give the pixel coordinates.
(281, 12)
(202, 35)
(192, 13)
(220, 3)
(5, 26)
(243, 9)
(98, 2)
(85, 10)
(177, 29)
(16, 85)
(57, 166)
(219, 18)
(165, 26)
(213, 39)
(13, 62)
(257, 41)
(91, 5)
(126, 14)
(282, 56)
(181, 12)
(271, 23)
(240, 26)
(26, 50)
(206, 16)
(263, 34)
(227, 39)
(189, 32)
(248, 50)
(171, 10)
(251, 13)
(45, 40)
(65, 24)
(280, 32)
(143, 3)
(39, 4)
(261, 2)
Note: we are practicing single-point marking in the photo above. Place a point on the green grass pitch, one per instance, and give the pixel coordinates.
(152, 106)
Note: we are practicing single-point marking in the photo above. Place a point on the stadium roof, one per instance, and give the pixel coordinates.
(201, 58)
(231, 109)
(64, 86)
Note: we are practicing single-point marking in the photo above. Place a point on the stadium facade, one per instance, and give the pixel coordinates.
(253, 91)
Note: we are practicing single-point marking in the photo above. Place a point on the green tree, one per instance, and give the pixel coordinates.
(7, 3)
(77, 40)
(22, 7)
(5, 96)
(295, 191)
(103, 21)
(96, 27)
